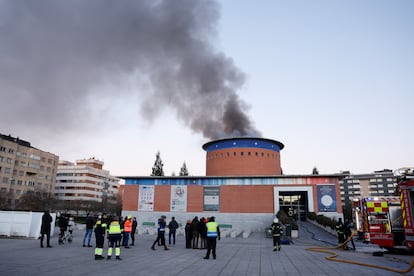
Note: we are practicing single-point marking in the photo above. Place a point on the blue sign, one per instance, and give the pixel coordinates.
(326, 197)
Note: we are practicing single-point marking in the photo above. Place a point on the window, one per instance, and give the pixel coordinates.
(11, 150)
(6, 170)
(3, 149)
(34, 156)
(9, 161)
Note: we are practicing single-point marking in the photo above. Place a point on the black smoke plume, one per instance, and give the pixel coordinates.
(53, 53)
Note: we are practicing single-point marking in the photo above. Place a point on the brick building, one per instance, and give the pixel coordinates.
(243, 186)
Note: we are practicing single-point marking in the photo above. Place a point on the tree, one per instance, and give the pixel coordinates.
(183, 170)
(38, 200)
(157, 169)
(315, 171)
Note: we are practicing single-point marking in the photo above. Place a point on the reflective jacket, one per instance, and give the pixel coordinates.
(128, 226)
(212, 229)
(114, 228)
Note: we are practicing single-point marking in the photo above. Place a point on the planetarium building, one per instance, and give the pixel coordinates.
(244, 188)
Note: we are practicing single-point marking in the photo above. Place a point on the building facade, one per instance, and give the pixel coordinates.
(378, 184)
(85, 180)
(25, 169)
(243, 187)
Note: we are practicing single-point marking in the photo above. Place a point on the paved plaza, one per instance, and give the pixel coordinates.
(235, 256)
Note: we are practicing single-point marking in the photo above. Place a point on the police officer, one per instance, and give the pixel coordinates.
(99, 237)
(161, 232)
(115, 237)
(277, 231)
(213, 232)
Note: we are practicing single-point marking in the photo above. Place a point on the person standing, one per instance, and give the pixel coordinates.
(161, 233)
(340, 231)
(114, 236)
(202, 232)
(45, 228)
(127, 231)
(99, 238)
(89, 228)
(172, 226)
(63, 226)
(348, 233)
(213, 232)
(188, 234)
(277, 231)
(194, 232)
(134, 229)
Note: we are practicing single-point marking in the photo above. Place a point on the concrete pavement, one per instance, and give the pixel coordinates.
(235, 256)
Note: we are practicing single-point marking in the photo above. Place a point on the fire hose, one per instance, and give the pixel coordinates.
(333, 257)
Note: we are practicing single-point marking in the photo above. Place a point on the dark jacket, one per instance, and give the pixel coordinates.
(89, 222)
(173, 225)
(46, 223)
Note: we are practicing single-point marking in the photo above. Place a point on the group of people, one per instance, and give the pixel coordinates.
(195, 232)
(118, 232)
(205, 230)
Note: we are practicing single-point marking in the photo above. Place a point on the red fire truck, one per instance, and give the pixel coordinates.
(388, 221)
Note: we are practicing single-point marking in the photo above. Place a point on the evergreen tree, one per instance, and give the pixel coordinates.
(183, 170)
(157, 169)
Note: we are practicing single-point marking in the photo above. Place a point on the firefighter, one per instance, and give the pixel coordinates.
(340, 230)
(99, 237)
(277, 231)
(213, 232)
(115, 237)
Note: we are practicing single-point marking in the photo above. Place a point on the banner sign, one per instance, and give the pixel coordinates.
(326, 197)
(179, 198)
(212, 198)
(146, 198)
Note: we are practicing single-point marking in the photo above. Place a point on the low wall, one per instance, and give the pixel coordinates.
(23, 224)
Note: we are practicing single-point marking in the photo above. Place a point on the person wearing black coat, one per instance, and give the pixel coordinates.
(45, 228)
(188, 234)
(134, 229)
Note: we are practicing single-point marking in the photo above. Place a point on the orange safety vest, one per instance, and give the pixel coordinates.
(128, 226)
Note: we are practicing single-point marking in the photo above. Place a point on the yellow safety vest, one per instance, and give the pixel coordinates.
(114, 228)
(212, 229)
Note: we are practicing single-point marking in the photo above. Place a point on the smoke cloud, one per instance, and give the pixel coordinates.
(54, 53)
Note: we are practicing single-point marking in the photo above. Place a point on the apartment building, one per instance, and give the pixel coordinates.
(85, 180)
(25, 169)
(379, 183)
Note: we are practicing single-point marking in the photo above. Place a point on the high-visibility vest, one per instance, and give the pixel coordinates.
(114, 228)
(212, 229)
(128, 226)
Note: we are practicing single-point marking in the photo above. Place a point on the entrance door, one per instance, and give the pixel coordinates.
(294, 204)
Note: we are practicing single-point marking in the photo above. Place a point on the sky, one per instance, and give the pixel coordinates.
(119, 81)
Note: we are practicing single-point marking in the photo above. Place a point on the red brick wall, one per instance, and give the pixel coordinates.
(195, 198)
(246, 199)
(162, 198)
(130, 201)
(238, 162)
